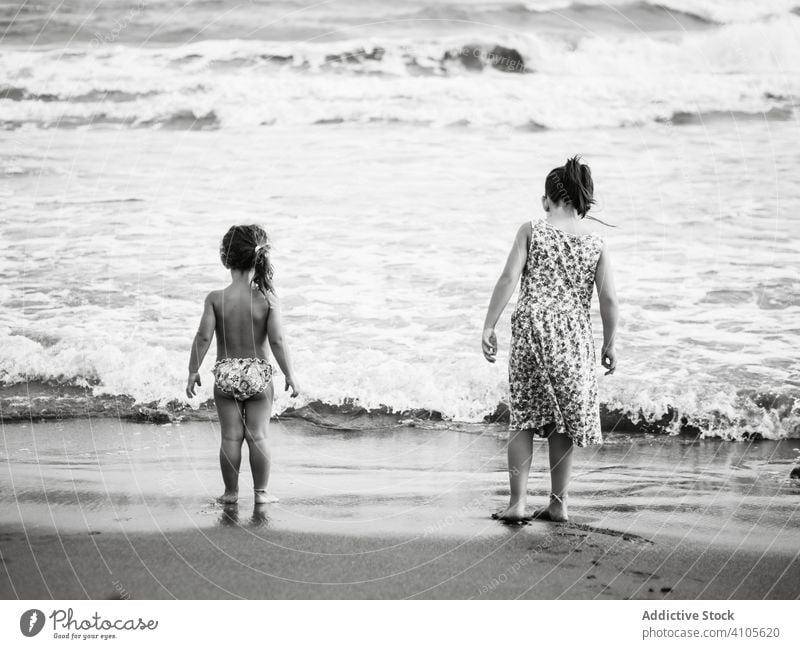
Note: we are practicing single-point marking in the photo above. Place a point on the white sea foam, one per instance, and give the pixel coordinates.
(387, 243)
(601, 80)
(390, 226)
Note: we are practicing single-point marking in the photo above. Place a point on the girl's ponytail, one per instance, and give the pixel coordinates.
(263, 270)
(573, 184)
(578, 184)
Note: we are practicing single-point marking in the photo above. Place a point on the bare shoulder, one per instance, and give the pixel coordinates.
(214, 297)
(524, 232)
(272, 300)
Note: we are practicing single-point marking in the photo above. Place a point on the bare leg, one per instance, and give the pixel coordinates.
(230, 451)
(560, 470)
(520, 451)
(257, 412)
(560, 463)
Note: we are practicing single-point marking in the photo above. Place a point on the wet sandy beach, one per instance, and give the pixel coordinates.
(110, 509)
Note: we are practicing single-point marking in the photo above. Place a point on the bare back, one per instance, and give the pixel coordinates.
(241, 316)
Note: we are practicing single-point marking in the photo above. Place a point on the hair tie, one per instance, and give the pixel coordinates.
(260, 246)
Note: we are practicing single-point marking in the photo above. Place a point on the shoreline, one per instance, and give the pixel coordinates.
(47, 401)
(115, 509)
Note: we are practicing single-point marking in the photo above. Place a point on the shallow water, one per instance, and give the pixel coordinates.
(109, 477)
(392, 186)
(387, 243)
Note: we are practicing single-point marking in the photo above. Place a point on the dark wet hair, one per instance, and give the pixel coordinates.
(246, 247)
(571, 184)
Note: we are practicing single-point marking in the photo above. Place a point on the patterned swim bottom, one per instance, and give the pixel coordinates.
(242, 378)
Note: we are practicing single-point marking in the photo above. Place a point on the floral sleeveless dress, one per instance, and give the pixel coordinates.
(552, 365)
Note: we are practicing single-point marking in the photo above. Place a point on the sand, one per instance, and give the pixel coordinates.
(114, 509)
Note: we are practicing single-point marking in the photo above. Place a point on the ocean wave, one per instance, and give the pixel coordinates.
(683, 14)
(179, 120)
(190, 118)
(786, 112)
(757, 415)
(14, 93)
(397, 101)
(67, 375)
(590, 17)
(160, 22)
(482, 83)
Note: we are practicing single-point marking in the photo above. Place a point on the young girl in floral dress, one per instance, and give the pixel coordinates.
(552, 376)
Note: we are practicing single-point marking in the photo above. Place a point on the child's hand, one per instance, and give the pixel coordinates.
(489, 345)
(194, 379)
(291, 383)
(609, 359)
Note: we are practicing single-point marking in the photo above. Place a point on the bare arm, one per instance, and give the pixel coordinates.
(278, 345)
(607, 295)
(504, 289)
(200, 345)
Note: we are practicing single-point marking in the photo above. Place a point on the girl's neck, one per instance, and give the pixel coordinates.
(562, 214)
(239, 277)
(570, 216)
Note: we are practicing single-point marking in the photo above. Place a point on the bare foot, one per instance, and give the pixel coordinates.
(260, 516)
(512, 514)
(262, 497)
(556, 511)
(228, 498)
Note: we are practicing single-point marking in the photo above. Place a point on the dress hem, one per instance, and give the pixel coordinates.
(579, 441)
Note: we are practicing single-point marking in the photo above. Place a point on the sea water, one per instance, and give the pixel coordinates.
(392, 169)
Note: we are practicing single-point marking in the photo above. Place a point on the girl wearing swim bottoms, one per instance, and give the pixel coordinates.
(245, 317)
